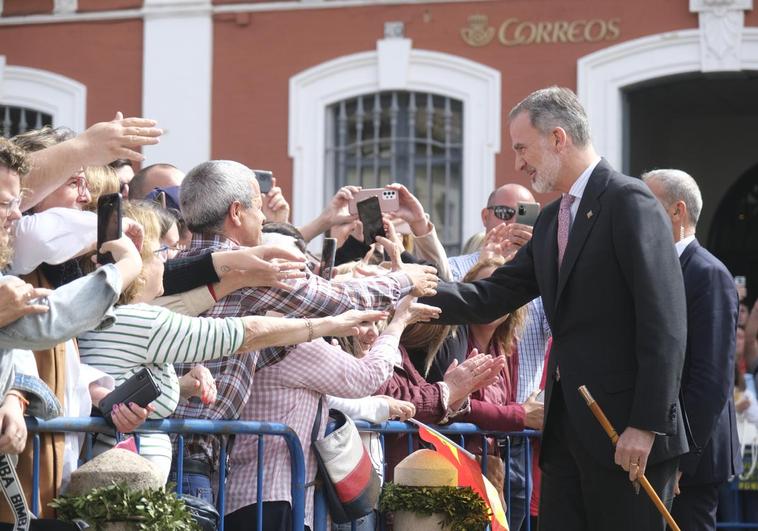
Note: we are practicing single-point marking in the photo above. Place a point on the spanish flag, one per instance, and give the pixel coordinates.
(469, 472)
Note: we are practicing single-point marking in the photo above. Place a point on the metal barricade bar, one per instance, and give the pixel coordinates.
(183, 427)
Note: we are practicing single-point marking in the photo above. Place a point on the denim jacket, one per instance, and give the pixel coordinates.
(82, 305)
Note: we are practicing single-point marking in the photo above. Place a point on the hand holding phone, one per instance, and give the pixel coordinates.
(140, 388)
(108, 224)
(370, 214)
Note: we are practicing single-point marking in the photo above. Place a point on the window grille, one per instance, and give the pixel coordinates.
(413, 138)
(15, 120)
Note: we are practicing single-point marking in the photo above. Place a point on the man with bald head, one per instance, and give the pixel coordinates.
(154, 176)
(505, 237)
(499, 220)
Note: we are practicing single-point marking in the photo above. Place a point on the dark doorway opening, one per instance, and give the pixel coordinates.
(705, 125)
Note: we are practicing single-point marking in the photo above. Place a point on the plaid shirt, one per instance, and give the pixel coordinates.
(310, 297)
(289, 392)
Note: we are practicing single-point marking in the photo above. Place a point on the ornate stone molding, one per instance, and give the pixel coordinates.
(721, 26)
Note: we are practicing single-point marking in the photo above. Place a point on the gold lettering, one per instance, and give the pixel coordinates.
(588, 36)
(559, 31)
(515, 32)
(520, 38)
(543, 32)
(575, 31)
(502, 33)
(613, 30)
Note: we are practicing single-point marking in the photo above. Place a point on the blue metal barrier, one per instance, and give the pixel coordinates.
(297, 463)
(183, 427)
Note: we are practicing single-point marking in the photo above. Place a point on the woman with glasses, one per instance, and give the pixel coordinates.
(150, 336)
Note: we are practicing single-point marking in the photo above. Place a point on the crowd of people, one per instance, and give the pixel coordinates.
(213, 291)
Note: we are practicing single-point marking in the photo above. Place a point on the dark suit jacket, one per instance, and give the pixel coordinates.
(708, 376)
(616, 310)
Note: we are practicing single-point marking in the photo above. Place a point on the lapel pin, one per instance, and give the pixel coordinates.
(589, 214)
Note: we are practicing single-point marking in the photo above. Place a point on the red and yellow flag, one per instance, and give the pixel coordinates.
(469, 473)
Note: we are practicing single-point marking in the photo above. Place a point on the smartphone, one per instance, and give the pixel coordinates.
(139, 388)
(265, 180)
(370, 214)
(526, 213)
(108, 224)
(328, 252)
(388, 199)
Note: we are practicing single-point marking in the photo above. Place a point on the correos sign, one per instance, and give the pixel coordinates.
(515, 32)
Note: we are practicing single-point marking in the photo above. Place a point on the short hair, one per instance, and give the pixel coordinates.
(210, 188)
(137, 184)
(678, 185)
(553, 107)
(39, 139)
(120, 163)
(166, 217)
(288, 230)
(13, 157)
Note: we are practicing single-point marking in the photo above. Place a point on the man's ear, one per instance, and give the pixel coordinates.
(484, 217)
(559, 138)
(235, 213)
(680, 210)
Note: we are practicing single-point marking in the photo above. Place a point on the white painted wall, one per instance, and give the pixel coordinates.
(177, 79)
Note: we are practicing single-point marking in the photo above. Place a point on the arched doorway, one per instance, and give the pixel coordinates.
(699, 123)
(734, 233)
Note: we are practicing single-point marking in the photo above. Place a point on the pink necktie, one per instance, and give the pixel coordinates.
(564, 225)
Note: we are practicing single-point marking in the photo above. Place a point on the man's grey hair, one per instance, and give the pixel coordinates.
(553, 107)
(677, 185)
(210, 188)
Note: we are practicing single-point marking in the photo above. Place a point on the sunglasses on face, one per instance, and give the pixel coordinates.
(502, 212)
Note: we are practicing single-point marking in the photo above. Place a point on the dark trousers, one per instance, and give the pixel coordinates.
(518, 506)
(277, 516)
(580, 494)
(695, 507)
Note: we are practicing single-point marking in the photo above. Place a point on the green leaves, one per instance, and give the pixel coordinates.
(462, 508)
(147, 509)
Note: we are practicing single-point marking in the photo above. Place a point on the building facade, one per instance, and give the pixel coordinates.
(328, 92)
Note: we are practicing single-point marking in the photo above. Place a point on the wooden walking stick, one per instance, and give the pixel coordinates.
(606, 424)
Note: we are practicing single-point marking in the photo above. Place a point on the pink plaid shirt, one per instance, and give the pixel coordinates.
(289, 392)
(310, 297)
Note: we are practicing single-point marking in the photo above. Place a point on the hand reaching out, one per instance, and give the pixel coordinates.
(275, 207)
(198, 382)
(18, 299)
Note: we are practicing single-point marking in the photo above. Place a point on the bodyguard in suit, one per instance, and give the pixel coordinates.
(707, 380)
(611, 284)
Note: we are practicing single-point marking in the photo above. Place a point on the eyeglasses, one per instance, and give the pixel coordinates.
(81, 187)
(164, 252)
(502, 212)
(10, 205)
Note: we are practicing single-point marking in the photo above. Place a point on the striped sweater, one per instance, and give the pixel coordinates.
(154, 337)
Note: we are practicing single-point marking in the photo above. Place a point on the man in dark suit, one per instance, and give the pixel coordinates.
(602, 260)
(708, 377)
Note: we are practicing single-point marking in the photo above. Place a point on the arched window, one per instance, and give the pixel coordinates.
(413, 138)
(15, 120)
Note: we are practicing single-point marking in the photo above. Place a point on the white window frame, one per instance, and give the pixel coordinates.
(602, 76)
(65, 99)
(395, 65)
